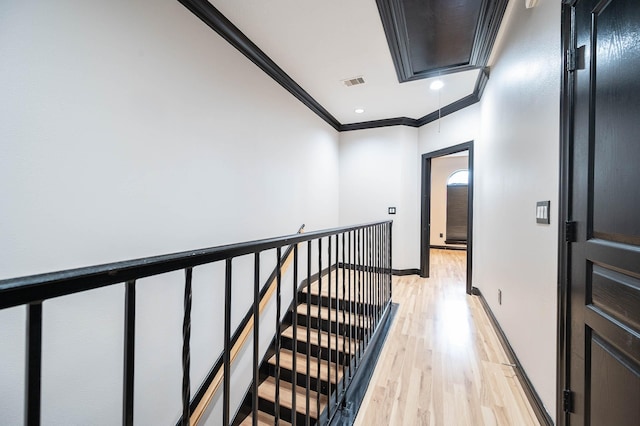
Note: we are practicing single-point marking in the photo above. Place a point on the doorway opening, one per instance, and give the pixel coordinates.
(436, 228)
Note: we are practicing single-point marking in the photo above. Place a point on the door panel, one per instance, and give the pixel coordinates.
(615, 384)
(617, 127)
(604, 262)
(616, 294)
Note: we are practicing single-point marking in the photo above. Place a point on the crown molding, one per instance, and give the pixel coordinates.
(232, 34)
(213, 18)
(473, 98)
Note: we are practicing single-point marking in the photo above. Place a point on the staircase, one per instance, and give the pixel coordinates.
(324, 337)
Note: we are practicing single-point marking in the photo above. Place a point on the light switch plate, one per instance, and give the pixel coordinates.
(543, 212)
(392, 210)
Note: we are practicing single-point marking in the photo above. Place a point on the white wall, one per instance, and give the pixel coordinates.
(131, 129)
(441, 170)
(459, 127)
(517, 164)
(378, 169)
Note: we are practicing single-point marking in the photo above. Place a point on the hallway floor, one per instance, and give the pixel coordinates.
(442, 363)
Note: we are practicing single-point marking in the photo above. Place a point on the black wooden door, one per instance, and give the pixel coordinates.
(604, 262)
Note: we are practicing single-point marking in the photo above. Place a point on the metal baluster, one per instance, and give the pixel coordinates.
(365, 307)
(338, 322)
(227, 344)
(344, 318)
(308, 384)
(386, 261)
(386, 264)
(256, 338)
(383, 272)
(390, 260)
(368, 280)
(372, 261)
(361, 289)
(358, 297)
(319, 358)
(372, 312)
(329, 333)
(33, 363)
(372, 273)
(351, 297)
(378, 267)
(129, 352)
(186, 352)
(294, 386)
(278, 303)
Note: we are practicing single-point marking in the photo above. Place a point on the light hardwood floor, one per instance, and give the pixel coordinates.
(442, 363)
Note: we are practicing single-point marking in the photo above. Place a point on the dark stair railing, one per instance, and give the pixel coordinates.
(214, 379)
(345, 304)
(364, 262)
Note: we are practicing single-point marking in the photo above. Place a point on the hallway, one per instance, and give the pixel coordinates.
(442, 363)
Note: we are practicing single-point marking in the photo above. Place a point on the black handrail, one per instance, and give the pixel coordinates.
(36, 288)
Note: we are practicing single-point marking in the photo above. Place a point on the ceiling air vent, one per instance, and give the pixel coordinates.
(353, 81)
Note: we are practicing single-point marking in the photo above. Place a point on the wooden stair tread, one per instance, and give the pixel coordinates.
(267, 391)
(349, 289)
(356, 320)
(347, 293)
(324, 339)
(286, 361)
(265, 419)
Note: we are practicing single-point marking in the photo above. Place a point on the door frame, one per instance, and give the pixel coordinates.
(567, 106)
(425, 208)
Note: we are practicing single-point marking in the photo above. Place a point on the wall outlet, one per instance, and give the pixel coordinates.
(441, 235)
(499, 297)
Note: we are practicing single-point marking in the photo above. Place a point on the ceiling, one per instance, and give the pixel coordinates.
(320, 44)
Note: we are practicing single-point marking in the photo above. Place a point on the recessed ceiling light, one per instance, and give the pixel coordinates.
(437, 85)
(359, 110)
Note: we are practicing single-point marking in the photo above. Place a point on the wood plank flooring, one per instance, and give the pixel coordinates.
(442, 363)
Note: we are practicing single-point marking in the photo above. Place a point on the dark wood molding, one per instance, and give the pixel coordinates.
(481, 82)
(473, 98)
(536, 403)
(449, 109)
(491, 14)
(393, 18)
(394, 22)
(399, 121)
(403, 272)
(425, 209)
(564, 214)
(398, 272)
(447, 248)
(220, 24)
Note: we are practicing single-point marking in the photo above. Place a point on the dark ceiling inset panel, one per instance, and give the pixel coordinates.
(440, 32)
(435, 37)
